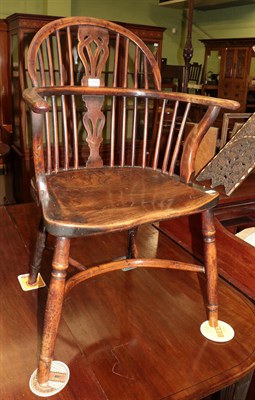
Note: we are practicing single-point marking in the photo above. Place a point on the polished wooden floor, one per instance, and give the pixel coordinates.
(122, 334)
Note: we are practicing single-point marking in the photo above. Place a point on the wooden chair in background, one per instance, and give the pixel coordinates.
(194, 72)
(96, 162)
(172, 77)
(194, 77)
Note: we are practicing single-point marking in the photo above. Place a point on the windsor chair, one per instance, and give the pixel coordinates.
(95, 92)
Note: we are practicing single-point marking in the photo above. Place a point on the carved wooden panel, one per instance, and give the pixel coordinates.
(94, 120)
(93, 51)
(235, 160)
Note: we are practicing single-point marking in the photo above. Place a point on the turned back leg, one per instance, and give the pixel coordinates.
(38, 253)
(132, 247)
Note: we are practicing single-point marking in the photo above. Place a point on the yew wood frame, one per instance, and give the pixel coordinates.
(93, 120)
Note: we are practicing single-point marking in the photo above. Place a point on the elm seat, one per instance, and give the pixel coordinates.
(104, 160)
(125, 196)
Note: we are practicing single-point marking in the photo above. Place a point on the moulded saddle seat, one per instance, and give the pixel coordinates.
(87, 201)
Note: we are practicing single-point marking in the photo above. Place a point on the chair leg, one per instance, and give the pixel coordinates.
(132, 248)
(38, 253)
(210, 262)
(53, 308)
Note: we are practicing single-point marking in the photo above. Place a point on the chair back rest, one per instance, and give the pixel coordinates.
(90, 52)
(194, 72)
(96, 102)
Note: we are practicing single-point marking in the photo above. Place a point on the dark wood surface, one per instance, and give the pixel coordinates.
(131, 196)
(125, 335)
(5, 95)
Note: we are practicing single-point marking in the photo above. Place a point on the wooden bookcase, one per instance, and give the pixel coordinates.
(22, 28)
(5, 95)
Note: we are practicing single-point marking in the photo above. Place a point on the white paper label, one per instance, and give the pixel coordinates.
(94, 82)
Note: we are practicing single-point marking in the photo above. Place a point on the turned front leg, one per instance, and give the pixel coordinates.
(53, 308)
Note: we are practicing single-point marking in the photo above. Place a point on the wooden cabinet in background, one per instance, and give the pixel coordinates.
(5, 95)
(227, 69)
(22, 28)
(5, 117)
(234, 75)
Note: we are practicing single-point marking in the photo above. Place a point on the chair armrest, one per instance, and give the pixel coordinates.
(35, 101)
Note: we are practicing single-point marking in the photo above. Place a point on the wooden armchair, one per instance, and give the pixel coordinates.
(98, 168)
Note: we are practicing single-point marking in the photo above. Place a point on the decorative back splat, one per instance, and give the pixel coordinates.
(94, 121)
(93, 51)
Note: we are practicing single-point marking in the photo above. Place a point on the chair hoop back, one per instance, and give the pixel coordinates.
(65, 39)
(98, 102)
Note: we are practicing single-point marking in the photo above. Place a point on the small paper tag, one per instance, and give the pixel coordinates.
(223, 332)
(59, 376)
(23, 280)
(93, 82)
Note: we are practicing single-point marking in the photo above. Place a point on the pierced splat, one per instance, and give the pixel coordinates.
(93, 51)
(94, 120)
